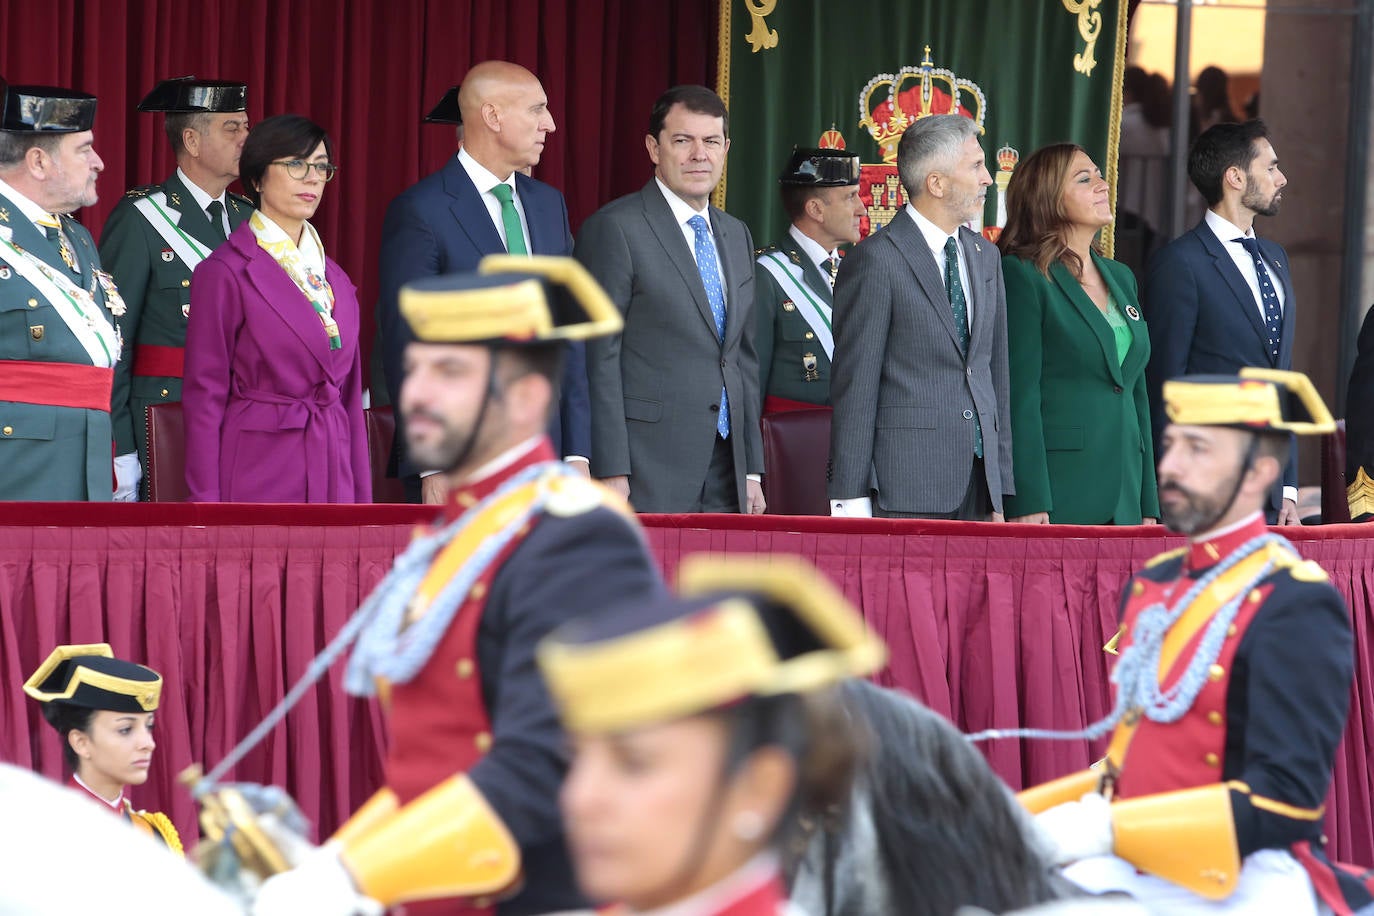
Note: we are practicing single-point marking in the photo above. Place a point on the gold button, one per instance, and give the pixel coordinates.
(1255, 596)
(1211, 760)
(483, 741)
(185, 283)
(8, 430)
(1215, 717)
(1216, 673)
(1138, 589)
(810, 336)
(1232, 630)
(33, 303)
(165, 392)
(477, 592)
(464, 668)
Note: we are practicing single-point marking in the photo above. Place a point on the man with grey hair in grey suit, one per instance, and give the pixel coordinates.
(921, 427)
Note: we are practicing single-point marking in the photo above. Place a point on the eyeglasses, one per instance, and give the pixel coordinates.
(299, 169)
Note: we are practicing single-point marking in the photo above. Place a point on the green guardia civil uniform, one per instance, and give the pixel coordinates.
(155, 282)
(151, 244)
(794, 359)
(58, 335)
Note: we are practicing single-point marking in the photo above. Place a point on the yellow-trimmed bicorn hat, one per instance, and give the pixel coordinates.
(512, 299)
(91, 677)
(739, 628)
(1260, 400)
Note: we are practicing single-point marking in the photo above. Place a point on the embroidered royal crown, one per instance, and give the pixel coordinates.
(913, 93)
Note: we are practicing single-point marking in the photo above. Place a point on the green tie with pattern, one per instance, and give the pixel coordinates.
(959, 304)
(510, 219)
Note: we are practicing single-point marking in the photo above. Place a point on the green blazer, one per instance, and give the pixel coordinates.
(784, 341)
(1080, 421)
(156, 287)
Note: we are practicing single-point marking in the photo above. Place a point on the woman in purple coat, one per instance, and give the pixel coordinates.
(273, 386)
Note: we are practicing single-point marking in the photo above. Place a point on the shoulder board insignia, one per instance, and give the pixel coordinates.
(570, 496)
(1308, 571)
(142, 191)
(1165, 557)
(766, 249)
(238, 200)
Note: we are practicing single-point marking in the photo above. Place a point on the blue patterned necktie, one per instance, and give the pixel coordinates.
(955, 287)
(1269, 299)
(705, 252)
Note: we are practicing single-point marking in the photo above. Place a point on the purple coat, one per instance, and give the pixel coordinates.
(272, 414)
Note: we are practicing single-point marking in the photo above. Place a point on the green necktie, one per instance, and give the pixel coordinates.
(215, 211)
(515, 235)
(959, 304)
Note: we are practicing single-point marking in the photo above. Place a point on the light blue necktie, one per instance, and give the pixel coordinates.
(715, 294)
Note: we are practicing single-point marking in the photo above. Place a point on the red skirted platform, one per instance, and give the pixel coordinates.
(994, 626)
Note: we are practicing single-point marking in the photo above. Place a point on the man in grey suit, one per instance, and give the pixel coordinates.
(919, 377)
(675, 396)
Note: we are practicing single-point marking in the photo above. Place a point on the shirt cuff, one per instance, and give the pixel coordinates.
(576, 458)
(424, 474)
(756, 478)
(858, 507)
(1291, 493)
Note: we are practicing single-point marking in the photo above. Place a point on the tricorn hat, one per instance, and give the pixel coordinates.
(447, 111)
(512, 299)
(46, 109)
(1257, 399)
(739, 628)
(187, 94)
(91, 677)
(821, 168)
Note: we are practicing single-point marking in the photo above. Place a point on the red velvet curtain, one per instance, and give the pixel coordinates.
(993, 626)
(368, 70)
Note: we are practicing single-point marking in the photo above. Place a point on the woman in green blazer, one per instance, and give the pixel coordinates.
(1080, 420)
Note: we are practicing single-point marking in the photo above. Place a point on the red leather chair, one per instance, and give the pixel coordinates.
(1335, 505)
(796, 450)
(381, 430)
(166, 453)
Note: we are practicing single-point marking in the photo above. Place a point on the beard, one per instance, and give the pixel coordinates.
(1197, 512)
(443, 454)
(1254, 201)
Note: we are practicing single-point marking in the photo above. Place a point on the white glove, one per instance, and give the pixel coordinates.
(858, 507)
(128, 472)
(320, 885)
(1077, 830)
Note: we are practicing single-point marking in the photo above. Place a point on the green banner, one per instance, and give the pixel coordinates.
(857, 73)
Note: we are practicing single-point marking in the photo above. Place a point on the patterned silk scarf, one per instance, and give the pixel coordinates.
(304, 265)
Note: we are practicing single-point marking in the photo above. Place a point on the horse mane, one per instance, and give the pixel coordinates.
(929, 828)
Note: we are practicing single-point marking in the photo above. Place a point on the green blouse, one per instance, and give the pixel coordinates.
(1121, 328)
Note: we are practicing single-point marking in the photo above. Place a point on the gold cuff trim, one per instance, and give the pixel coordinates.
(1246, 404)
(1186, 837)
(446, 843)
(1058, 791)
(382, 805)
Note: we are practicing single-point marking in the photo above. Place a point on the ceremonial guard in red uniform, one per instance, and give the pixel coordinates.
(701, 728)
(1232, 686)
(469, 812)
(103, 707)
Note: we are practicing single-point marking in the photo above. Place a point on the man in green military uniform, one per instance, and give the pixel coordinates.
(153, 241)
(795, 277)
(58, 339)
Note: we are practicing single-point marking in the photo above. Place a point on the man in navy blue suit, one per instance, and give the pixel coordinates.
(482, 202)
(1217, 298)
